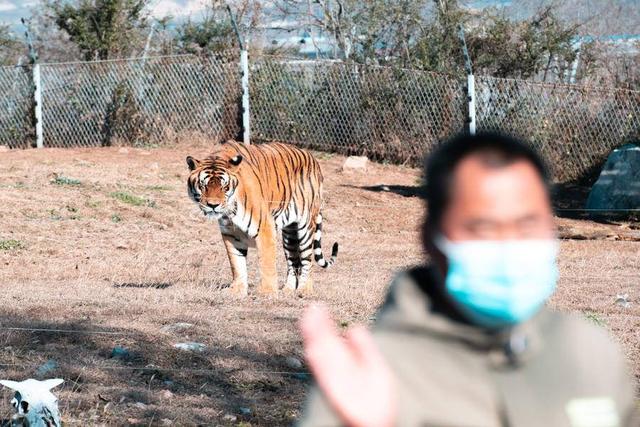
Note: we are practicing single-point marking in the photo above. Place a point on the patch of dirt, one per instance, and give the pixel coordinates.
(105, 249)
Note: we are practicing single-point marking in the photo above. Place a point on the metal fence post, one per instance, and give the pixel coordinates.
(471, 96)
(244, 65)
(37, 87)
(244, 72)
(471, 85)
(37, 98)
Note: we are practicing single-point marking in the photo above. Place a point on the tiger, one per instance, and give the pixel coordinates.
(253, 191)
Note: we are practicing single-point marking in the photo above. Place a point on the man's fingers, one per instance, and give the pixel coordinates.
(316, 324)
(362, 345)
(321, 341)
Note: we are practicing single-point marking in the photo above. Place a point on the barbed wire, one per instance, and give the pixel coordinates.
(161, 369)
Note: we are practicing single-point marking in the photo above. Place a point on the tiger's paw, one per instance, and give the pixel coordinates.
(290, 286)
(268, 288)
(306, 288)
(237, 289)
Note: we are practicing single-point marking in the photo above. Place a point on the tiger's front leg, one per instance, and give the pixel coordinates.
(237, 253)
(266, 245)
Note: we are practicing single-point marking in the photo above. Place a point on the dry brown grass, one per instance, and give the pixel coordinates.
(123, 252)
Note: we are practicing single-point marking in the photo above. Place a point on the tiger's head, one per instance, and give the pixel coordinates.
(213, 182)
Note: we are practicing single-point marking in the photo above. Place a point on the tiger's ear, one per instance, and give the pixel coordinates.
(236, 160)
(192, 163)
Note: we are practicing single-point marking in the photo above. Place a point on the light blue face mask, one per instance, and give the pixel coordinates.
(499, 283)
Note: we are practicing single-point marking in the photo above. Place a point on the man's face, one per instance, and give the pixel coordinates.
(497, 203)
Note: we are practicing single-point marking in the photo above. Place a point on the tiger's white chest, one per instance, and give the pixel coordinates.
(229, 227)
(243, 225)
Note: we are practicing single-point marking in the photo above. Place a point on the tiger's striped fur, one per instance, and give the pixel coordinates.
(255, 190)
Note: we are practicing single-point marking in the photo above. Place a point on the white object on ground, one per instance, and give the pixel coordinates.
(358, 163)
(190, 346)
(34, 403)
(623, 300)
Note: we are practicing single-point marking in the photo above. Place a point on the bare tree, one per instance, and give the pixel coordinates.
(213, 32)
(10, 47)
(101, 29)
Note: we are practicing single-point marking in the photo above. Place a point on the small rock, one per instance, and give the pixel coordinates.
(616, 188)
(120, 353)
(4, 148)
(176, 327)
(358, 163)
(154, 166)
(140, 405)
(623, 300)
(123, 150)
(302, 376)
(293, 362)
(166, 422)
(49, 366)
(230, 418)
(166, 394)
(244, 411)
(190, 346)
(168, 383)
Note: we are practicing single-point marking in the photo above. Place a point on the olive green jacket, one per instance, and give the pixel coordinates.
(554, 370)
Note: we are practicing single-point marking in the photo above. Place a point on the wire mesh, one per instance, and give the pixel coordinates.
(139, 101)
(16, 107)
(384, 113)
(574, 127)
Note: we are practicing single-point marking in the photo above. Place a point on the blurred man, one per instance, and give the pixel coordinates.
(467, 341)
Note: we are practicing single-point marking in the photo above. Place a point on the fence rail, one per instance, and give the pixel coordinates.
(385, 113)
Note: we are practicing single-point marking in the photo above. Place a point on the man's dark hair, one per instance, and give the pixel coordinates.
(495, 150)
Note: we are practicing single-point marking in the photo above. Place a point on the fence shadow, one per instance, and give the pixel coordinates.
(568, 198)
(401, 190)
(220, 380)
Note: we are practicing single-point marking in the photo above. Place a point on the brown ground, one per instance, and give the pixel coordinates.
(84, 260)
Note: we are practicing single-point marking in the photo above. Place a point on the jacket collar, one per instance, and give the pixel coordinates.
(416, 304)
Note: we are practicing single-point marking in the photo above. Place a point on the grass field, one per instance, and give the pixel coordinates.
(101, 249)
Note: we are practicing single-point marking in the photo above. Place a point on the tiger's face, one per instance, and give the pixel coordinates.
(212, 184)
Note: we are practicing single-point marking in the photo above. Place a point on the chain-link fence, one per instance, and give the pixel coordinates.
(385, 113)
(16, 107)
(574, 127)
(138, 102)
(398, 114)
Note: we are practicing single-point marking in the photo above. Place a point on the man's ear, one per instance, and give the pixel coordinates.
(439, 260)
(236, 160)
(192, 163)
(428, 234)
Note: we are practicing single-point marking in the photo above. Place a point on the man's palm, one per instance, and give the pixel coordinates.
(351, 372)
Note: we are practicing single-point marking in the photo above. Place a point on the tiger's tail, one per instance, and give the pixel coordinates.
(317, 246)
